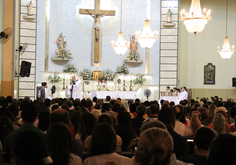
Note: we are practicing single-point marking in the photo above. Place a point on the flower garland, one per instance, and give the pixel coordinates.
(139, 79)
(108, 74)
(54, 78)
(87, 74)
(122, 69)
(70, 68)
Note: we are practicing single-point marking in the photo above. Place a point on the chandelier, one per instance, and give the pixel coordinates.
(195, 20)
(146, 38)
(120, 46)
(226, 51)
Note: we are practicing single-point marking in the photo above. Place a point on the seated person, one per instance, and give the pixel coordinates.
(202, 139)
(104, 85)
(87, 90)
(103, 146)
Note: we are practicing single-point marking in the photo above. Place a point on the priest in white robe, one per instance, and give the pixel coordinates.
(75, 89)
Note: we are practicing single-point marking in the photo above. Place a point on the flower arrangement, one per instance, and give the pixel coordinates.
(133, 56)
(108, 74)
(139, 79)
(55, 78)
(64, 54)
(122, 69)
(87, 74)
(70, 68)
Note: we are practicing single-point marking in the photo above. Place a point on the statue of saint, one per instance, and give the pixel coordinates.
(61, 42)
(133, 45)
(30, 8)
(97, 22)
(169, 16)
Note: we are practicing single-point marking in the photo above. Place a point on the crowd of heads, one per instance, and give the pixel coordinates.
(108, 126)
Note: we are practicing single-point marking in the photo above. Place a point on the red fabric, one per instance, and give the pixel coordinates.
(186, 123)
(135, 114)
(72, 130)
(211, 126)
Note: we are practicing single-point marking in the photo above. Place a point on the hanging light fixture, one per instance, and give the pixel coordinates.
(195, 20)
(121, 45)
(146, 38)
(226, 51)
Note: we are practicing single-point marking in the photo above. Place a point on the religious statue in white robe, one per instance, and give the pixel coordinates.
(119, 85)
(87, 90)
(104, 85)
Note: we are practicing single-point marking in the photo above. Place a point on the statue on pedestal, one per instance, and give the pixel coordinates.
(169, 16)
(30, 8)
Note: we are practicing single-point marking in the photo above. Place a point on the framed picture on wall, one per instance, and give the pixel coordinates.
(209, 74)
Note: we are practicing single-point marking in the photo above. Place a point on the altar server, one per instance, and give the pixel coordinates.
(43, 94)
(167, 91)
(183, 94)
(87, 90)
(75, 89)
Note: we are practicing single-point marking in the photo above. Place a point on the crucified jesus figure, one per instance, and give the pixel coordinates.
(97, 22)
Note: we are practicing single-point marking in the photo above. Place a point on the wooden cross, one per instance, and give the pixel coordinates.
(97, 14)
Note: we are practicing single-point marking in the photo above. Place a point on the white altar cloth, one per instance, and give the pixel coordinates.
(170, 98)
(114, 94)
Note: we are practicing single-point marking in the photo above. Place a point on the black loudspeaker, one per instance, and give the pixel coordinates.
(234, 81)
(25, 69)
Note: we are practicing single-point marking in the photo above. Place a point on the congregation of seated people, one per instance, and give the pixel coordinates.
(115, 132)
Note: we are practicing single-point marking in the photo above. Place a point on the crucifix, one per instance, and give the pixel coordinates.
(97, 14)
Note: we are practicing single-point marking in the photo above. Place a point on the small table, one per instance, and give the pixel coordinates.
(114, 94)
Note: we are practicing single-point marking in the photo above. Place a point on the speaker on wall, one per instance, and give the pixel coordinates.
(234, 81)
(25, 69)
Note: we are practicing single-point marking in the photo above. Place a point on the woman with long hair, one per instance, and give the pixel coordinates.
(195, 123)
(103, 146)
(59, 145)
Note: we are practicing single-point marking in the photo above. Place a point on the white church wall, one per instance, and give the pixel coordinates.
(63, 19)
(197, 51)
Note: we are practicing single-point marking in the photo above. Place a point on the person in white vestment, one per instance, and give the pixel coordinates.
(75, 89)
(87, 90)
(104, 85)
(119, 85)
(183, 94)
(167, 90)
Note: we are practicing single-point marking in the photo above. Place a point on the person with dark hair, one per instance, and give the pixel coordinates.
(29, 115)
(13, 109)
(124, 129)
(61, 115)
(103, 146)
(202, 140)
(167, 116)
(47, 102)
(105, 118)
(54, 107)
(113, 111)
(108, 99)
(179, 126)
(132, 109)
(86, 126)
(65, 107)
(5, 129)
(28, 148)
(59, 145)
(121, 109)
(137, 102)
(42, 93)
(136, 122)
(75, 120)
(9, 100)
(43, 121)
(154, 110)
(12, 118)
(222, 150)
(4, 107)
(105, 107)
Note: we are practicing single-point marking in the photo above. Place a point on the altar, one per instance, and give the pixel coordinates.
(114, 94)
(175, 99)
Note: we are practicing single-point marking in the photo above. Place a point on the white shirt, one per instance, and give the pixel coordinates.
(105, 159)
(119, 86)
(75, 160)
(183, 95)
(76, 93)
(87, 90)
(179, 128)
(47, 96)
